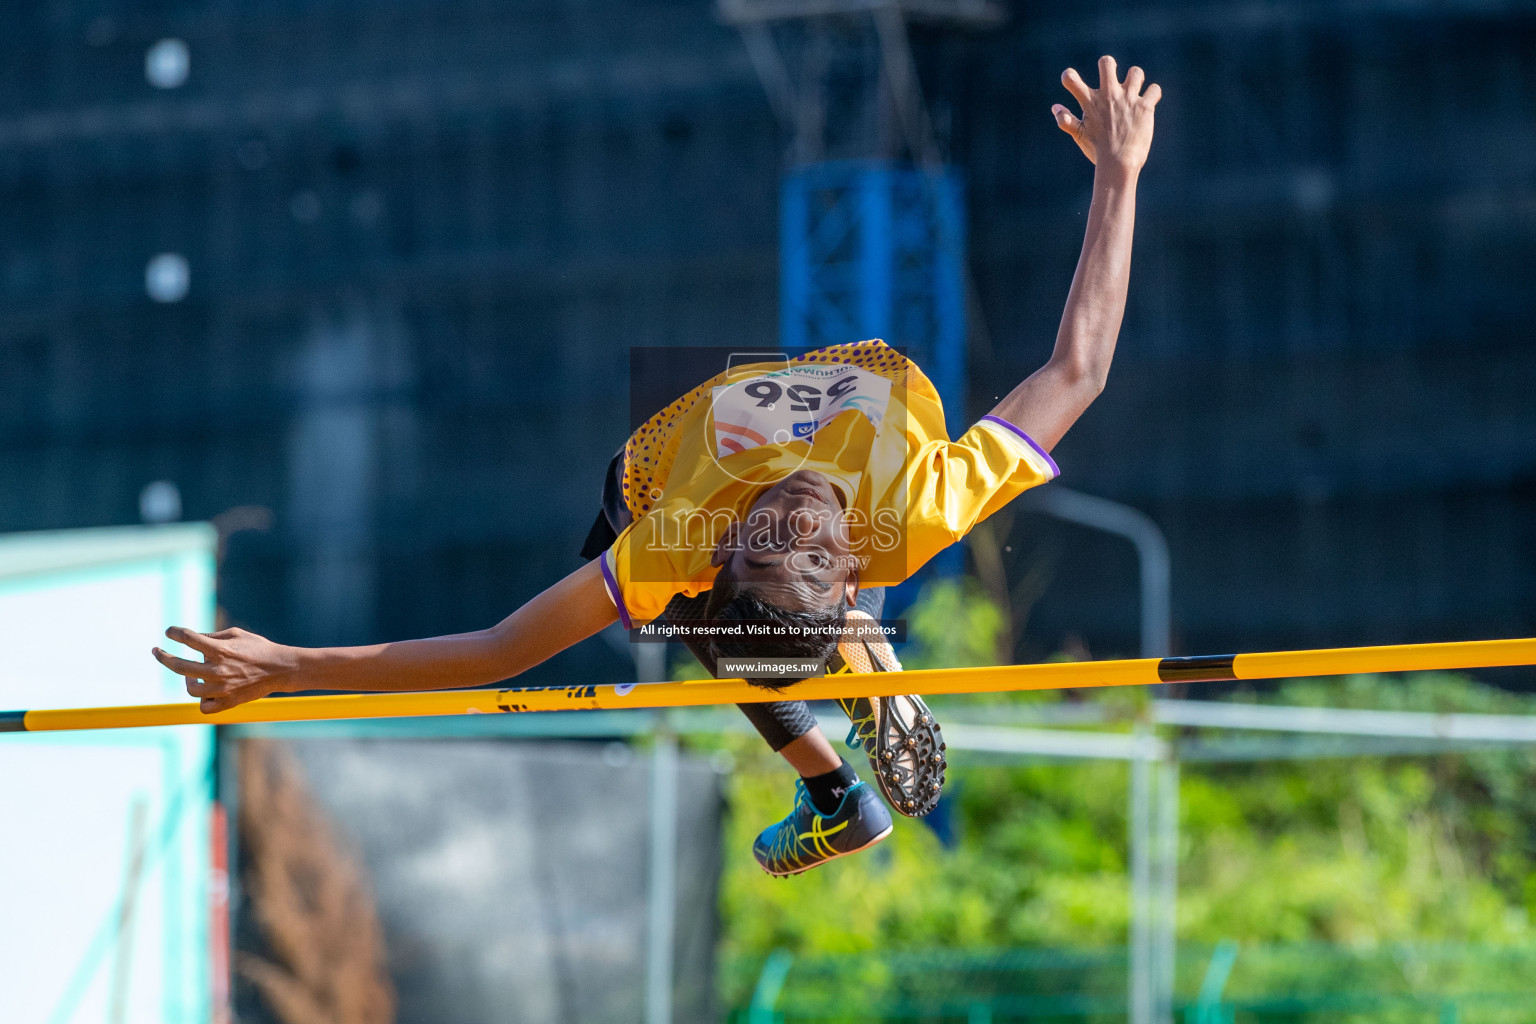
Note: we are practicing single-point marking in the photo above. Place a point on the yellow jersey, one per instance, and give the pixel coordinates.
(861, 414)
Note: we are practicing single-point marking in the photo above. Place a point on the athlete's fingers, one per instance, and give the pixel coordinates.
(1077, 87)
(1108, 72)
(1134, 77)
(225, 634)
(182, 667)
(1152, 95)
(212, 705)
(1066, 121)
(193, 639)
(198, 688)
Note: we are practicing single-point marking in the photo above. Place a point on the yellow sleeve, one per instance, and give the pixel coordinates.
(953, 485)
(647, 565)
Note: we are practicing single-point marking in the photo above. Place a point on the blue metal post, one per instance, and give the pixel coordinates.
(794, 264)
(949, 362)
(872, 187)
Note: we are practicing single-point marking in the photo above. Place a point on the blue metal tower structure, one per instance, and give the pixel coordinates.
(876, 249)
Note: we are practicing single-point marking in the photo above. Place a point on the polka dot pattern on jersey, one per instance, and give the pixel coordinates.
(651, 450)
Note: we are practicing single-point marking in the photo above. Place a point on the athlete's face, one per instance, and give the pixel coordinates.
(793, 547)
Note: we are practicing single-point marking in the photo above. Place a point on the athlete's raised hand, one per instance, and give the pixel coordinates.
(1115, 129)
(237, 666)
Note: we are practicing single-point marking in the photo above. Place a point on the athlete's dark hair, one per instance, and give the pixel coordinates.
(814, 637)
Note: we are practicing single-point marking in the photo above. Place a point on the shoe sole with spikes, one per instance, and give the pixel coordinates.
(898, 734)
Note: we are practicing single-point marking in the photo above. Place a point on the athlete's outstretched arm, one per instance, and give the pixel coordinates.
(1115, 133)
(240, 666)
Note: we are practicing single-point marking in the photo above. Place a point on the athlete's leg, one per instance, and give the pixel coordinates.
(834, 814)
(781, 723)
(899, 734)
(790, 730)
(812, 755)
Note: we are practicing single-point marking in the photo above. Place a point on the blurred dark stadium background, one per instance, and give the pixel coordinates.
(399, 252)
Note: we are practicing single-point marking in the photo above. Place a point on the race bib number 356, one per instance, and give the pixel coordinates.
(792, 404)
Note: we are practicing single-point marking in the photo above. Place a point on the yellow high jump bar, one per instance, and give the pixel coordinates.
(1054, 676)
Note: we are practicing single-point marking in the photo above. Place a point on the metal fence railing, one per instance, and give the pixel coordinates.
(1224, 984)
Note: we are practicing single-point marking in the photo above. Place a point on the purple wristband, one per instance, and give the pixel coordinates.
(613, 589)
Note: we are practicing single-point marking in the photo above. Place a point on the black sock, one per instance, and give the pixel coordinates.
(827, 790)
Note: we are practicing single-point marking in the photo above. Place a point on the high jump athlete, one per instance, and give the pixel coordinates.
(785, 494)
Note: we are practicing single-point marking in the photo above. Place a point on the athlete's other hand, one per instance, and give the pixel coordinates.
(237, 666)
(1115, 129)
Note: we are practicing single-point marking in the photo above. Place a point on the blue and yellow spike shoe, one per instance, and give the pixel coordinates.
(898, 734)
(807, 837)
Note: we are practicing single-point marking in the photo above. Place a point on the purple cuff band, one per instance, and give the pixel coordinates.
(613, 589)
(1055, 469)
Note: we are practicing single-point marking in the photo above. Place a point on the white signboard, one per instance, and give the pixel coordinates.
(104, 855)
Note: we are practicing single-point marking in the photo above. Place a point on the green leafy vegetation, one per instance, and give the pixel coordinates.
(1362, 853)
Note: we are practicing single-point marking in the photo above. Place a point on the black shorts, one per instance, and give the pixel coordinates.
(612, 515)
